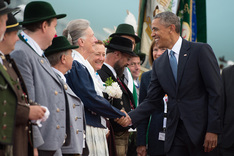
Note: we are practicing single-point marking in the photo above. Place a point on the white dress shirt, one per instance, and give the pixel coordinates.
(176, 48)
(32, 43)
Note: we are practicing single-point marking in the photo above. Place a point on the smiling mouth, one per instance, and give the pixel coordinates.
(157, 39)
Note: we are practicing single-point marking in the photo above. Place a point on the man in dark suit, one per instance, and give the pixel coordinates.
(194, 88)
(227, 142)
(119, 50)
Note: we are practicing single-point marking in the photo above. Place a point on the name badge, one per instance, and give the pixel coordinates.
(103, 121)
(161, 136)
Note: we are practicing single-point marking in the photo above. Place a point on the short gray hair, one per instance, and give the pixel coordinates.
(76, 29)
(56, 57)
(167, 18)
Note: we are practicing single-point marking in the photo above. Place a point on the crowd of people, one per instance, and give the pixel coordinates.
(75, 95)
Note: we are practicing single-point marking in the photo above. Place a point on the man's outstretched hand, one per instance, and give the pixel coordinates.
(124, 121)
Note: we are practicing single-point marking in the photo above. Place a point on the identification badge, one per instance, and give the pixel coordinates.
(103, 121)
(161, 136)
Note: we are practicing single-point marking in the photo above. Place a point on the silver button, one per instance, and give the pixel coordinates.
(4, 126)
(4, 114)
(65, 87)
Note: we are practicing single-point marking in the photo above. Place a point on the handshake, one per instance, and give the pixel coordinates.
(124, 121)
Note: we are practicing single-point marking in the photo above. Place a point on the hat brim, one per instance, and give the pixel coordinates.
(30, 21)
(121, 49)
(13, 29)
(8, 10)
(137, 39)
(55, 50)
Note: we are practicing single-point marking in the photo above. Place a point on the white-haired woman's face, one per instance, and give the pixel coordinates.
(89, 40)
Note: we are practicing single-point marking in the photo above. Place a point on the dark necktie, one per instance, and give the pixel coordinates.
(173, 63)
(121, 83)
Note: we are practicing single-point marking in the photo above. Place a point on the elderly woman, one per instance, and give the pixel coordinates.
(82, 79)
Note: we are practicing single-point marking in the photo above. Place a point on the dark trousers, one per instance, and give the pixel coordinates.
(46, 153)
(226, 151)
(183, 146)
(71, 154)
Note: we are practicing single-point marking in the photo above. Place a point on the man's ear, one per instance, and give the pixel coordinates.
(118, 55)
(172, 28)
(63, 59)
(44, 26)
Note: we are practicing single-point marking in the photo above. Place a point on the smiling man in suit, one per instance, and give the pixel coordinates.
(189, 74)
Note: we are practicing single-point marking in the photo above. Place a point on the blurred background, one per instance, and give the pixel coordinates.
(106, 15)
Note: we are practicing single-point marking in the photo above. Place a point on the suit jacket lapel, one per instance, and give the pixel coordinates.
(22, 39)
(45, 64)
(183, 57)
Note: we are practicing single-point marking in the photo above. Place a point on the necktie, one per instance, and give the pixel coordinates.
(121, 83)
(173, 63)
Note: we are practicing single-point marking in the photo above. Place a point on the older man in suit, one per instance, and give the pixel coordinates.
(59, 55)
(194, 88)
(42, 83)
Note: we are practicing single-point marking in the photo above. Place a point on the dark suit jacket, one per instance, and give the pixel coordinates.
(80, 81)
(196, 98)
(155, 146)
(228, 130)
(105, 73)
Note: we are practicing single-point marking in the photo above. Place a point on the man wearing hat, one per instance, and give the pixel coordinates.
(127, 31)
(43, 85)
(119, 51)
(25, 110)
(59, 55)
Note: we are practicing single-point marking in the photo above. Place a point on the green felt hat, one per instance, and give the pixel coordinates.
(38, 11)
(59, 44)
(126, 29)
